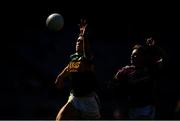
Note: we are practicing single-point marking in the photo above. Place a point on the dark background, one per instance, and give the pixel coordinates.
(32, 56)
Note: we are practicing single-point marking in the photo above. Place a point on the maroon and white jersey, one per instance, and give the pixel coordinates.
(135, 84)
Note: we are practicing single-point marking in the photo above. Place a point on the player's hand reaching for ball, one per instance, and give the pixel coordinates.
(82, 25)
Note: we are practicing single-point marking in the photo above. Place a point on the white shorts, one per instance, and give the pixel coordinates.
(87, 105)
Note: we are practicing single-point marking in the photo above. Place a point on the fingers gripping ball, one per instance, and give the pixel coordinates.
(55, 22)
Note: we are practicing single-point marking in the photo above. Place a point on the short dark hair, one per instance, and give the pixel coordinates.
(141, 49)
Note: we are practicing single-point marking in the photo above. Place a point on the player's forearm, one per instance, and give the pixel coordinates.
(62, 75)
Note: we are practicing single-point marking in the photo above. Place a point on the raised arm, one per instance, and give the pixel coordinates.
(83, 38)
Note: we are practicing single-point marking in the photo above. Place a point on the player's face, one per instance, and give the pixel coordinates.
(79, 44)
(137, 58)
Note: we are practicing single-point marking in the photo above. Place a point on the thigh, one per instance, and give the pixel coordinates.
(68, 112)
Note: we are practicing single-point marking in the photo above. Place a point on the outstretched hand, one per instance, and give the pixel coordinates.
(82, 25)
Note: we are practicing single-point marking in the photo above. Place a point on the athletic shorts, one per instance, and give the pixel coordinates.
(88, 106)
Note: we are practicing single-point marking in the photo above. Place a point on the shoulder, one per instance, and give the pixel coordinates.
(80, 57)
(124, 71)
(74, 56)
(126, 68)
